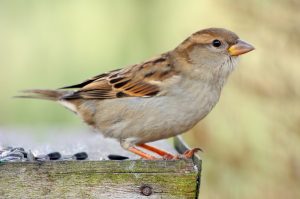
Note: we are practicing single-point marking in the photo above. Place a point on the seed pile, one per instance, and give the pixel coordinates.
(18, 154)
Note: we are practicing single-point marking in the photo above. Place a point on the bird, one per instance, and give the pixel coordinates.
(156, 99)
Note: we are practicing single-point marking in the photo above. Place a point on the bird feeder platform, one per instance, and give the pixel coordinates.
(103, 178)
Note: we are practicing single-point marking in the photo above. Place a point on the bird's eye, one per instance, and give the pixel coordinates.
(216, 43)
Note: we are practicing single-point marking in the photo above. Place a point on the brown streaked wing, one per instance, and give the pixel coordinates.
(134, 81)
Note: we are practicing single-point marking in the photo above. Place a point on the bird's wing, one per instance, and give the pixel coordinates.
(141, 80)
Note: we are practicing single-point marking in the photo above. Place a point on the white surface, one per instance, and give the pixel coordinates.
(68, 141)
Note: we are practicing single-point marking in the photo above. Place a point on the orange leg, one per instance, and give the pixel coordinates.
(160, 152)
(141, 153)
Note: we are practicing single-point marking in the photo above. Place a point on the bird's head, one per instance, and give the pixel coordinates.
(213, 50)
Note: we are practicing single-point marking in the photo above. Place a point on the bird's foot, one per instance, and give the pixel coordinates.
(187, 154)
(164, 155)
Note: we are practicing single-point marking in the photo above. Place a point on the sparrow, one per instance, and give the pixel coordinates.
(156, 99)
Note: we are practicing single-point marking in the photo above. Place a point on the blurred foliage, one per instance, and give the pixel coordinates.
(252, 137)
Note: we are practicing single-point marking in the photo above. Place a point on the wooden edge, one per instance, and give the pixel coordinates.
(181, 147)
(107, 166)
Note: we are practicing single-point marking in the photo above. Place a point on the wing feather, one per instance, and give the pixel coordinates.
(133, 81)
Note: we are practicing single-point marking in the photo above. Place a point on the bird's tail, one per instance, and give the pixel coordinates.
(53, 95)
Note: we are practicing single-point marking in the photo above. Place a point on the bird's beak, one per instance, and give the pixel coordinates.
(239, 48)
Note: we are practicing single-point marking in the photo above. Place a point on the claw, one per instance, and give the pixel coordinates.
(187, 154)
(190, 153)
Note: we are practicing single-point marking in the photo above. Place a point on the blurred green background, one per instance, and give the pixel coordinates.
(252, 137)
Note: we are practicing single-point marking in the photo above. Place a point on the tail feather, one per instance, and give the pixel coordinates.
(53, 95)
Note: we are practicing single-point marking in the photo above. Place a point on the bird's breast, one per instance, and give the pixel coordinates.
(150, 119)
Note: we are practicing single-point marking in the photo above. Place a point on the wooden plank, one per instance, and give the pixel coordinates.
(99, 179)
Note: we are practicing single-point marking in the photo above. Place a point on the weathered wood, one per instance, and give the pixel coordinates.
(102, 179)
(98, 179)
